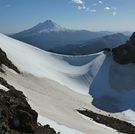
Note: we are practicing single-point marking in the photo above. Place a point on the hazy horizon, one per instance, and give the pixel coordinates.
(92, 15)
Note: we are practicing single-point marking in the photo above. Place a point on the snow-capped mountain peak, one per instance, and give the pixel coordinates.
(47, 26)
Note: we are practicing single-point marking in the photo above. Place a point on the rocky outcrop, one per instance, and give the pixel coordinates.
(45, 130)
(119, 125)
(125, 53)
(16, 115)
(5, 61)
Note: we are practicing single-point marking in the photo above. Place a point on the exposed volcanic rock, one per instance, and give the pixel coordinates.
(119, 125)
(125, 53)
(16, 115)
(45, 130)
(132, 38)
(5, 61)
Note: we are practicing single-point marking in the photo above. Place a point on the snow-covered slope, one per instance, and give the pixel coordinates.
(52, 83)
(74, 72)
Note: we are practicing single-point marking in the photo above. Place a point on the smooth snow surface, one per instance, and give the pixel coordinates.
(76, 73)
(57, 85)
(59, 128)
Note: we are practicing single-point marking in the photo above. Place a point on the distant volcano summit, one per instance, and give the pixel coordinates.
(46, 26)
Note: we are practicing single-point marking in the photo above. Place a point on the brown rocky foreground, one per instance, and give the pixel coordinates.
(16, 115)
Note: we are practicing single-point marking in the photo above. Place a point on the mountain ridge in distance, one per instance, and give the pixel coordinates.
(93, 45)
(48, 35)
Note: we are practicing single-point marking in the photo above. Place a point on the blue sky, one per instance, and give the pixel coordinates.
(95, 15)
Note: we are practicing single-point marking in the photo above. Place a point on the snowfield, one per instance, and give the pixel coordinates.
(74, 72)
(57, 85)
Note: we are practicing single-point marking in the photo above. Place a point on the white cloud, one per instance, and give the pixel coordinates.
(100, 2)
(96, 4)
(80, 4)
(81, 7)
(112, 9)
(78, 1)
(107, 8)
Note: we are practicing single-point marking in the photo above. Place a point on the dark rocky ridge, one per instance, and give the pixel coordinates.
(16, 115)
(119, 125)
(5, 61)
(125, 53)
